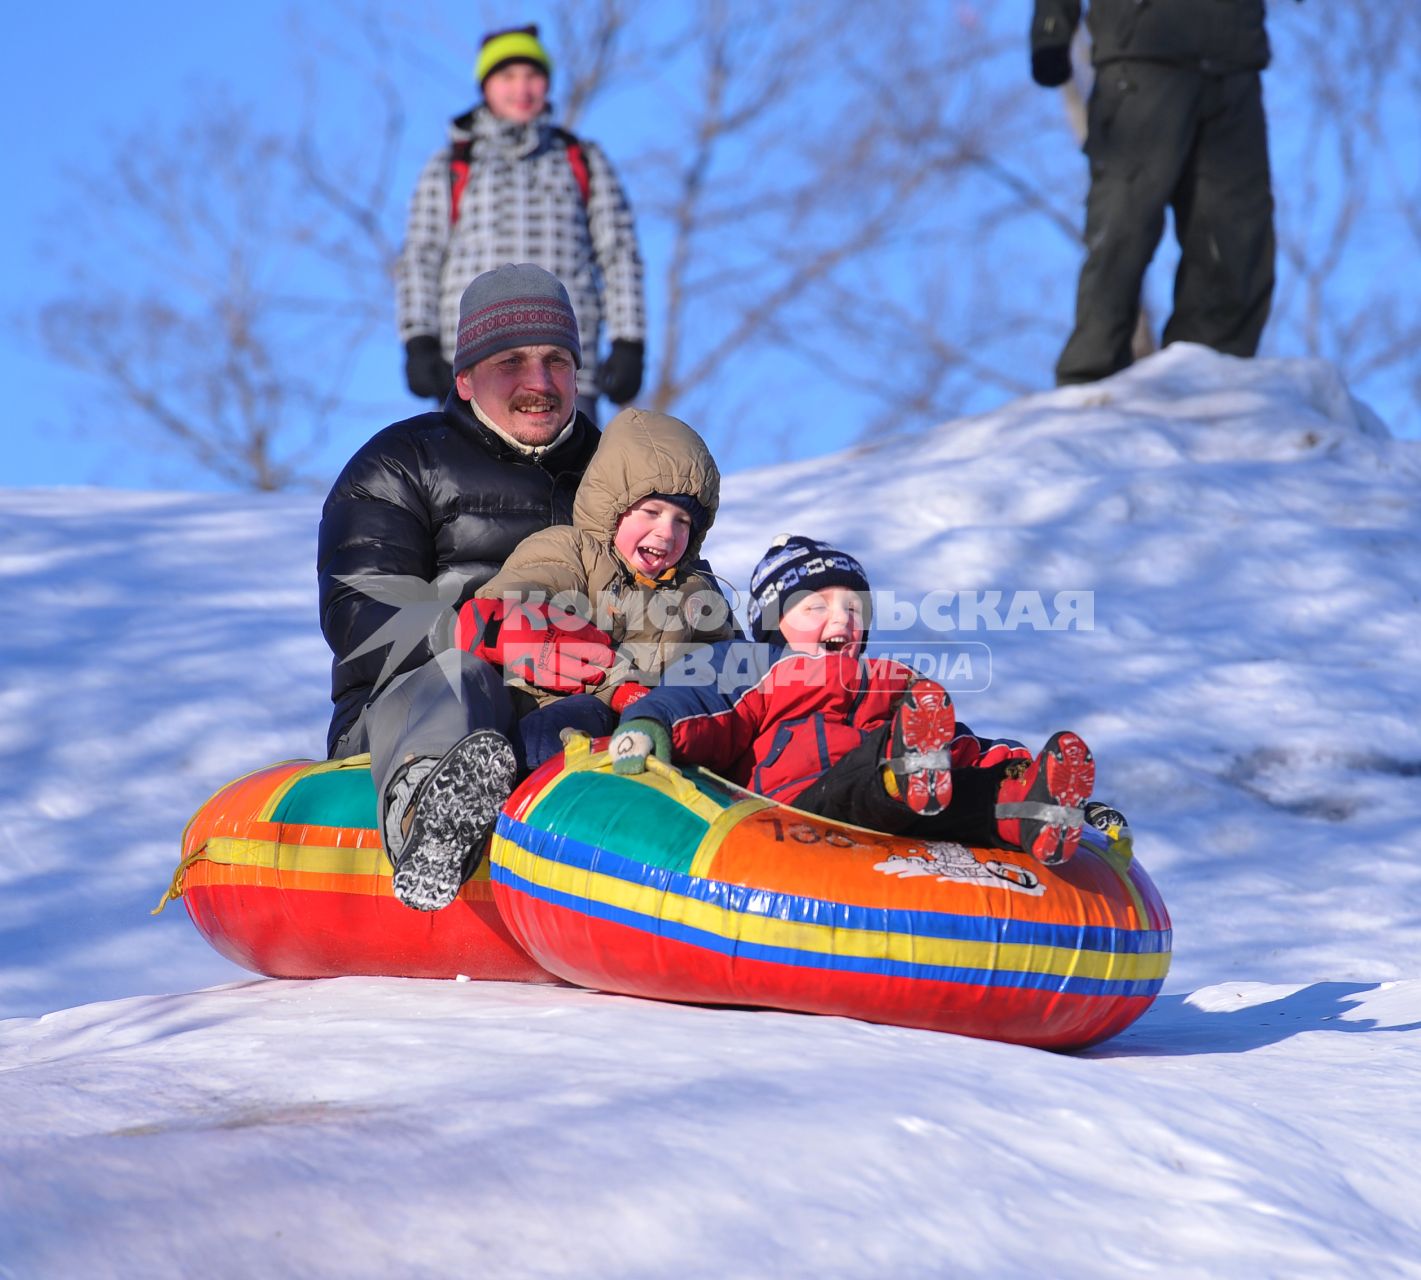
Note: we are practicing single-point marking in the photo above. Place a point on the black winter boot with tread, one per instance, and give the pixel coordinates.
(452, 813)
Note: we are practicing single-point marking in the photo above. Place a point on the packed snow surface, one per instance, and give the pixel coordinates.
(1248, 676)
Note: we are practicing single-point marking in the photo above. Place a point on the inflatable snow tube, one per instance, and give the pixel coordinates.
(283, 873)
(679, 886)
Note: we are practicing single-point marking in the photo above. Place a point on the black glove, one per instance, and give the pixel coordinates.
(619, 377)
(1051, 65)
(426, 370)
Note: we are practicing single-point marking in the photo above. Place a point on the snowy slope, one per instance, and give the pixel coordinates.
(1250, 687)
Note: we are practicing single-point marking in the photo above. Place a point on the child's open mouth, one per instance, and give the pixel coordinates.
(652, 557)
(833, 644)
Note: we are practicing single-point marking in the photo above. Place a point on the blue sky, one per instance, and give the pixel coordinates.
(70, 75)
(74, 75)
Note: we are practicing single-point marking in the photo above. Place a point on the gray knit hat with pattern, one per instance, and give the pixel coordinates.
(514, 306)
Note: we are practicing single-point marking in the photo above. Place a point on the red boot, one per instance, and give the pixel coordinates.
(1041, 809)
(920, 747)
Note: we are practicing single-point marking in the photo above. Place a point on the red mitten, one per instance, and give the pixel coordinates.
(477, 628)
(626, 693)
(546, 647)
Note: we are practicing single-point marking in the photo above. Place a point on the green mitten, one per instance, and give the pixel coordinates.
(634, 741)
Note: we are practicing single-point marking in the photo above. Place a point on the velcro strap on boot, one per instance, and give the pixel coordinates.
(1056, 815)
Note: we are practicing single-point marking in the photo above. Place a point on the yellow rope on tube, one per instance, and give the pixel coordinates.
(175, 887)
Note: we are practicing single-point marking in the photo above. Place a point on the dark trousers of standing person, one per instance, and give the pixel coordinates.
(852, 790)
(1168, 136)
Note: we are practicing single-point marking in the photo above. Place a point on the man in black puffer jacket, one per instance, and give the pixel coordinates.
(1175, 119)
(422, 516)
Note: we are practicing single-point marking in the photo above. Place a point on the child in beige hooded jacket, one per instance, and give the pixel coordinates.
(628, 565)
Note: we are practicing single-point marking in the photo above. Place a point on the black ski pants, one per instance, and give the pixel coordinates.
(851, 790)
(1167, 136)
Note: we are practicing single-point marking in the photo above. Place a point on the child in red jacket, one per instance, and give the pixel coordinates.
(801, 716)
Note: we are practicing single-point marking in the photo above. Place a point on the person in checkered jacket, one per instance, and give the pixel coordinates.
(510, 186)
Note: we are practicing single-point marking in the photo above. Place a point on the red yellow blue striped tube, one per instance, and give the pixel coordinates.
(283, 873)
(678, 886)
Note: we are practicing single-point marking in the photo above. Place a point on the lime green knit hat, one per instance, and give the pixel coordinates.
(518, 44)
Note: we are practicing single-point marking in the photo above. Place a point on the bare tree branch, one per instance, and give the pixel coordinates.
(877, 194)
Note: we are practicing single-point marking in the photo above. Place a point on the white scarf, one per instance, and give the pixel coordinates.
(534, 451)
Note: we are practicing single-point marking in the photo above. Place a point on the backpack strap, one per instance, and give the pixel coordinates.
(461, 157)
(460, 154)
(576, 161)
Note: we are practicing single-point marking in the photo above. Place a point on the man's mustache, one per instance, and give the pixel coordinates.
(526, 401)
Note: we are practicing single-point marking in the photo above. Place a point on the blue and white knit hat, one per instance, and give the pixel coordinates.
(794, 565)
(515, 305)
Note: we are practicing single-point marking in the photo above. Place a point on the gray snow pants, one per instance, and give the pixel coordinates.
(1167, 136)
(426, 711)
